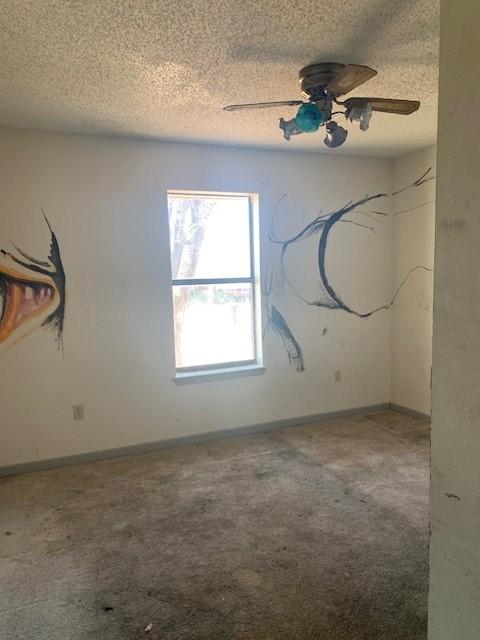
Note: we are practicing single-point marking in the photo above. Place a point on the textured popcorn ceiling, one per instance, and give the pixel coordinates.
(164, 68)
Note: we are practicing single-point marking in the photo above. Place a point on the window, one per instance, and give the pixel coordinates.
(214, 258)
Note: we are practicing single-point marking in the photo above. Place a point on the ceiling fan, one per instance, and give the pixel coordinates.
(321, 85)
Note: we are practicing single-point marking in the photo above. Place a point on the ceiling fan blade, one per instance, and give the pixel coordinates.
(351, 76)
(387, 105)
(263, 105)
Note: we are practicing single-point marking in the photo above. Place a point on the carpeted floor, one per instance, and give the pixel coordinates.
(315, 532)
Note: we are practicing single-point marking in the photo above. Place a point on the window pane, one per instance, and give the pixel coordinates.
(209, 236)
(213, 324)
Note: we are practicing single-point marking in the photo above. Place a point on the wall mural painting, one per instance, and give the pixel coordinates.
(277, 275)
(32, 293)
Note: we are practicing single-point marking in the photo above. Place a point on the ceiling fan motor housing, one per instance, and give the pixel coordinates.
(315, 77)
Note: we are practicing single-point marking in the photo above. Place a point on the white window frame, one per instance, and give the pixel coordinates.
(254, 366)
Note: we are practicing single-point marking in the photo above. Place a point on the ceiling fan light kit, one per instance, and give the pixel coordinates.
(309, 117)
(336, 135)
(362, 115)
(321, 85)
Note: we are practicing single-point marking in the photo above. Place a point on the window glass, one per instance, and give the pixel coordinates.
(209, 236)
(213, 324)
(214, 293)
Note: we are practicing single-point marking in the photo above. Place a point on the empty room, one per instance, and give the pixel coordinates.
(239, 320)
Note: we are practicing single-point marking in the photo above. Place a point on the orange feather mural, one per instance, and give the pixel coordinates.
(32, 293)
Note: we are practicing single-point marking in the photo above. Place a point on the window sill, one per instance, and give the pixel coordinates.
(225, 373)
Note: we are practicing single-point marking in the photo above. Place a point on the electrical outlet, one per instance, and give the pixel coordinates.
(78, 412)
(337, 376)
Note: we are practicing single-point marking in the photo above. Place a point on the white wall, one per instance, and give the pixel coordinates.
(413, 244)
(455, 541)
(106, 199)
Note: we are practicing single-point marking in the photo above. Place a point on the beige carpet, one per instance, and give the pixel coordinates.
(316, 532)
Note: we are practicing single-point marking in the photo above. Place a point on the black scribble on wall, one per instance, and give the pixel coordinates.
(425, 177)
(293, 349)
(32, 293)
(327, 297)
